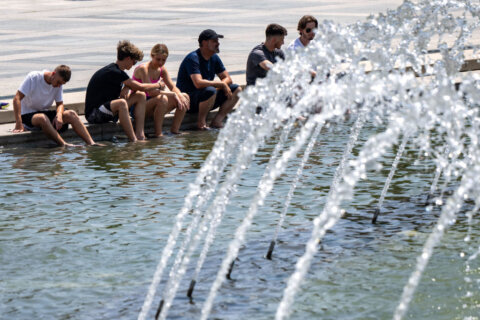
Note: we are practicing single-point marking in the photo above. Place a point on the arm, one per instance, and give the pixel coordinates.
(227, 81)
(141, 73)
(201, 83)
(17, 110)
(182, 102)
(137, 86)
(266, 65)
(58, 121)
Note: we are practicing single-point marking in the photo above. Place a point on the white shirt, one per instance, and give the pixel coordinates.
(39, 95)
(295, 45)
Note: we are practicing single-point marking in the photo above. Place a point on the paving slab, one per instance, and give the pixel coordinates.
(38, 35)
(83, 34)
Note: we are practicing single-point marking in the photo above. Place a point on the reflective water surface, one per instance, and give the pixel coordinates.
(82, 229)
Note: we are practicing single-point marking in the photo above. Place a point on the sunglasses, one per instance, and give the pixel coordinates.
(308, 30)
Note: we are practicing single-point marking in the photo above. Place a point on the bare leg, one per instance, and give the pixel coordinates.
(179, 114)
(138, 99)
(71, 117)
(120, 106)
(203, 109)
(156, 108)
(225, 108)
(42, 121)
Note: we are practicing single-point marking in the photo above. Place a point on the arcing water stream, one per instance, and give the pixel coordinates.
(402, 90)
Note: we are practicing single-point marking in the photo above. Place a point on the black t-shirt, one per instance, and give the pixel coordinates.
(104, 86)
(257, 55)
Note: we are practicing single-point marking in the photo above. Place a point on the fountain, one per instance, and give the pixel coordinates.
(379, 72)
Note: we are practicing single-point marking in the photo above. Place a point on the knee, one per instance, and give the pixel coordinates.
(140, 96)
(237, 91)
(70, 116)
(40, 119)
(119, 105)
(210, 91)
(161, 99)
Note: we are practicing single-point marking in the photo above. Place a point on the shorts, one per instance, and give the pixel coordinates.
(104, 114)
(51, 114)
(198, 96)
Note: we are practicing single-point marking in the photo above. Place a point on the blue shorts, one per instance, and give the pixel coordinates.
(200, 95)
(51, 114)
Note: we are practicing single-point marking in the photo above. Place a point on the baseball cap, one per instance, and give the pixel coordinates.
(208, 34)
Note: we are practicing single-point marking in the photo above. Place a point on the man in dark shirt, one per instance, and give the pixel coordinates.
(263, 56)
(106, 101)
(196, 77)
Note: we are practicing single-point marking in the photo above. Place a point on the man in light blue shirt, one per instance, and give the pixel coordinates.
(306, 26)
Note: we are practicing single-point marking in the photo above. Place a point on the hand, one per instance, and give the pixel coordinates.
(19, 128)
(226, 89)
(124, 93)
(181, 102)
(161, 85)
(58, 122)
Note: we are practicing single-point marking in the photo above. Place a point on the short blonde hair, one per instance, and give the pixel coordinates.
(159, 48)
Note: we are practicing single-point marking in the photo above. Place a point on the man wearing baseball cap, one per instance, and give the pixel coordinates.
(196, 76)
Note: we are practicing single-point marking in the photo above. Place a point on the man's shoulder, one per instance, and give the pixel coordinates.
(258, 47)
(109, 69)
(35, 75)
(295, 44)
(216, 57)
(279, 52)
(192, 55)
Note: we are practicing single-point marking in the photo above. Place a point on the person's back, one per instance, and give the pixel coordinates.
(104, 86)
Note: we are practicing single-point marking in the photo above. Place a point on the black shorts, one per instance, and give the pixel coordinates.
(51, 114)
(198, 96)
(102, 114)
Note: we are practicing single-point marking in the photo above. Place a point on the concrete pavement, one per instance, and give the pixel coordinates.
(83, 34)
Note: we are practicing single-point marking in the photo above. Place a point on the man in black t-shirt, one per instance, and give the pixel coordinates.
(106, 101)
(263, 56)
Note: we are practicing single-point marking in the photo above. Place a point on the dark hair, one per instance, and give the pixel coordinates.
(126, 49)
(274, 29)
(302, 23)
(64, 72)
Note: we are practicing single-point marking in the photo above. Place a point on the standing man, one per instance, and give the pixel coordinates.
(263, 56)
(196, 77)
(108, 97)
(306, 26)
(32, 102)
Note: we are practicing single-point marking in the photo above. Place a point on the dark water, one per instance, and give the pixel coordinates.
(81, 231)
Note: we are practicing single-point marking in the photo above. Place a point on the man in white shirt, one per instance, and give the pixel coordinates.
(32, 102)
(306, 26)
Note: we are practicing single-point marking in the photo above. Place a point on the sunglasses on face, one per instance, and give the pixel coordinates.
(308, 30)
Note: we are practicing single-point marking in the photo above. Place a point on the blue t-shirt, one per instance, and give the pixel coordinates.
(194, 63)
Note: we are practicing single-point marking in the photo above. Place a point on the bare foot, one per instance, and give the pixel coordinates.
(216, 125)
(96, 144)
(178, 133)
(203, 128)
(70, 145)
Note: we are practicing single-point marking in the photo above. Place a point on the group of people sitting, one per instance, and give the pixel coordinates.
(112, 95)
